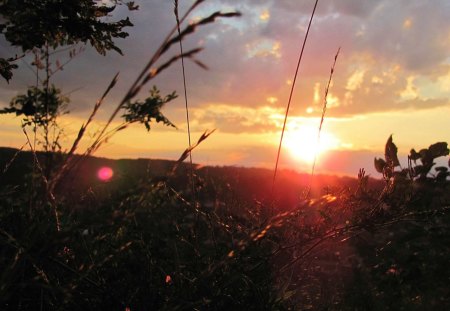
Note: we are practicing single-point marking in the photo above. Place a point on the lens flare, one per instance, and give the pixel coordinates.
(105, 173)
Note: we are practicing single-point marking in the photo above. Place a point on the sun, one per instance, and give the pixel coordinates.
(302, 142)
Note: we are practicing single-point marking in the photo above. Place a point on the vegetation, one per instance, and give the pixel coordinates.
(144, 242)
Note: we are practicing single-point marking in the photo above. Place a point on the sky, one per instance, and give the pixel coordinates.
(392, 76)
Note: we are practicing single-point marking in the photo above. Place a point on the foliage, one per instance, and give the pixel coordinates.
(427, 157)
(403, 265)
(405, 245)
(141, 248)
(150, 108)
(31, 24)
(414, 171)
(6, 68)
(38, 107)
(144, 245)
(47, 24)
(416, 182)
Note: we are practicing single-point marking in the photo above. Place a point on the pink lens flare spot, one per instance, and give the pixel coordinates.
(105, 173)
(168, 279)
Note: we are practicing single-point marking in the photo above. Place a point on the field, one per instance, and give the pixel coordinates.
(81, 232)
(140, 240)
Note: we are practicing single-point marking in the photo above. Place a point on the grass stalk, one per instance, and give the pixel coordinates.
(147, 74)
(49, 193)
(290, 99)
(10, 162)
(322, 118)
(191, 168)
(68, 164)
(143, 78)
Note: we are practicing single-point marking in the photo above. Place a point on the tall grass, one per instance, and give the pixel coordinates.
(322, 118)
(191, 169)
(148, 73)
(290, 98)
(147, 246)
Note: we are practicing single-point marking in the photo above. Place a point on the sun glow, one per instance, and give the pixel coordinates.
(302, 142)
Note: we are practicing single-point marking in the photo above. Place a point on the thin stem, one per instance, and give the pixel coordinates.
(47, 144)
(324, 109)
(290, 99)
(136, 84)
(11, 161)
(46, 103)
(48, 191)
(186, 102)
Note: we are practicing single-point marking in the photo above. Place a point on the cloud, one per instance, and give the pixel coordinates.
(395, 56)
(237, 119)
(414, 34)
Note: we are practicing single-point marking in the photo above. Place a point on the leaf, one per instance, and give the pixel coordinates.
(6, 69)
(425, 157)
(379, 165)
(148, 110)
(438, 150)
(414, 155)
(38, 106)
(442, 176)
(441, 169)
(420, 170)
(131, 6)
(60, 23)
(390, 153)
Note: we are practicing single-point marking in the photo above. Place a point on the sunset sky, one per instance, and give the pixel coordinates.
(392, 77)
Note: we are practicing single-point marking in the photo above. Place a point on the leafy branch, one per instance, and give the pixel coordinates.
(148, 110)
(7, 66)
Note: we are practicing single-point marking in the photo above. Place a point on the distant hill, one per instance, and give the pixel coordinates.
(214, 182)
